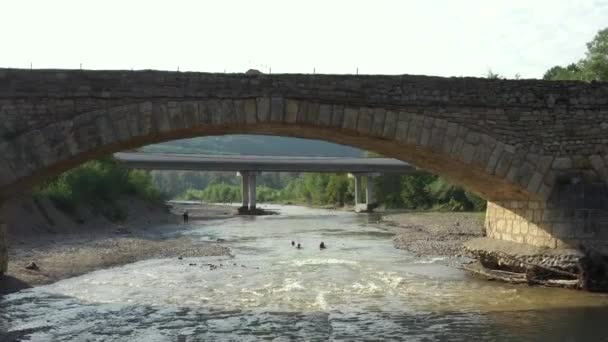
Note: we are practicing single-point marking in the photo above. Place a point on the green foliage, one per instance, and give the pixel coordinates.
(418, 191)
(492, 75)
(318, 189)
(226, 193)
(98, 184)
(219, 192)
(424, 191)
(387, 191)
(570, 73)
(414, 190)
(595, 64)
(594, 67)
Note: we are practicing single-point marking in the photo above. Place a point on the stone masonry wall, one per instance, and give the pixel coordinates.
(3, 248)
(576, 214)
(515, 142)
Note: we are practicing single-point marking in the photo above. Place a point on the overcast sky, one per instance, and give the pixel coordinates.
(433, 37)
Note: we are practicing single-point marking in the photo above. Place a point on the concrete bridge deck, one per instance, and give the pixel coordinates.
(171, 161)
(249, 166)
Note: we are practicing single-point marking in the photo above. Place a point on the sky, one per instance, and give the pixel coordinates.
(429, 37)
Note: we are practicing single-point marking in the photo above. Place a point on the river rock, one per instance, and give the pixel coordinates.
(32, 266)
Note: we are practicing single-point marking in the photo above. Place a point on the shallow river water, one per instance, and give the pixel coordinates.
(359, 288)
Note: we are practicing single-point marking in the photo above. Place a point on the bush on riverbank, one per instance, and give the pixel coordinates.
(226, 193)
(98, 184)
(419, 191)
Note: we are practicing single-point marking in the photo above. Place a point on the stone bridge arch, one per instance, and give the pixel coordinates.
(538, 151)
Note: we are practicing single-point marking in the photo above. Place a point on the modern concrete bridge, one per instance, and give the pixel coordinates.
(249, 166)
(537, 150)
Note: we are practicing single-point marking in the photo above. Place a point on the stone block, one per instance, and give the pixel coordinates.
(350, 118)
(378, 119)
(337, 117)
(467, 153)
(504, 163)
(204, 113)
(216, 113)
(562, 163)
(251, 111)
(312, 113)
(227, 112)
(174, 111)
(325, 111)
(390, 124)
(291, 111)
(425, 137)
(277, 109)
(105, 131)
(364, 122)
(494, 157)
(451, 134)
(437, 136)
(189, 111)
(239, 111)
(263, 109)
(414, 130)
(3, 248)
(535, 182)
(401, 133)
(145, 118)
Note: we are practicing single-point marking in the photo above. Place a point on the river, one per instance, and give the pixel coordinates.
(359, 288)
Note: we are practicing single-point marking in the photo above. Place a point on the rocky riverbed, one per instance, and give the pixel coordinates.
(42, 253)
(434, 233)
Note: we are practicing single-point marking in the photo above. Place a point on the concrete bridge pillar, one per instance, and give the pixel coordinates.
(252, 194)
(369, 204)
(244, 189)
(357, 188)
(368, 190)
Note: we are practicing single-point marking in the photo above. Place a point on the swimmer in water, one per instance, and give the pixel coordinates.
(293, 243)
(322, 245)
(299, 246)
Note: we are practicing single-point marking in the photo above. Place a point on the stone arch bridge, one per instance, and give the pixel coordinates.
(536, 150)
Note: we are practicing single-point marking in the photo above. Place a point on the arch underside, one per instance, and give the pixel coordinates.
(37, 155)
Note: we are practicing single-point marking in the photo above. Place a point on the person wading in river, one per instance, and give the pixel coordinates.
(185, 215)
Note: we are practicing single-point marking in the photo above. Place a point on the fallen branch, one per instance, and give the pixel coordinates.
(545, 268)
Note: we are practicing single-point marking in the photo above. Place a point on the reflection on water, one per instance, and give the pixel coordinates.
(358, 288)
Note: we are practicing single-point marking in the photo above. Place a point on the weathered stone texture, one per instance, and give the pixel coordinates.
(508, 140)
(3, 248)
(575, 214)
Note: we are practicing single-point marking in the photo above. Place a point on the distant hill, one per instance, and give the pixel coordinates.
(256, 145)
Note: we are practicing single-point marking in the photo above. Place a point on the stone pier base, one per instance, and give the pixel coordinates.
(575, 215)
(3, 249)
(365, 208)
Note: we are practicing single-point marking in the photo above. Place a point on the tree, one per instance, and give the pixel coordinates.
(594, 67)
(570, 73)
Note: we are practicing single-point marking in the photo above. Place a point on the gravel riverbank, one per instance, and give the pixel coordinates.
(438, 234)
(65, 251)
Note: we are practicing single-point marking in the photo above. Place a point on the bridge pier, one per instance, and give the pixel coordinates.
(3, 245)
(369, 204)
(244, 190)
(252, 193)
(574, 215)
(248, 191)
